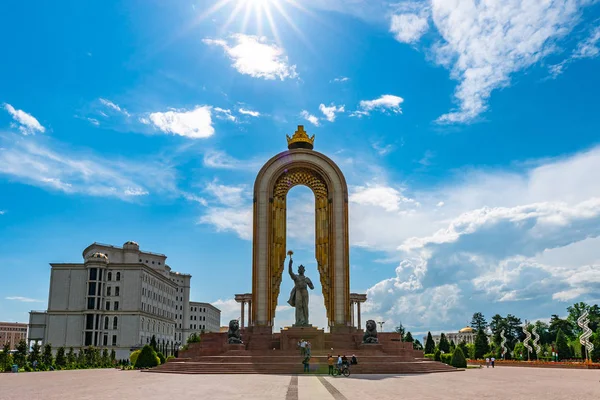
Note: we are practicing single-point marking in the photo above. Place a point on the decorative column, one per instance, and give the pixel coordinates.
(242, 325)
(249, 312)
(358, 310)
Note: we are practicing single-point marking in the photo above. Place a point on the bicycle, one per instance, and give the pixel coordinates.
(344, 370)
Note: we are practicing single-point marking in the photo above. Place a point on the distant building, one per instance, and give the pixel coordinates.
(12, 333)
(204, 317)
(467, 334)
(118, 298)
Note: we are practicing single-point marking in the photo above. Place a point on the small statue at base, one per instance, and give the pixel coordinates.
(370, 336)
(233, 335)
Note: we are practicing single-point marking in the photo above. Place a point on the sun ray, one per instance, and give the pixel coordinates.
(291, 23)
(238, 7)
(272, 25)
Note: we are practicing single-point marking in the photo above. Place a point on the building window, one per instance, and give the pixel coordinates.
(109, 291)
(105, 340)
(140, 260)
(89, 322)
(108, 305)
(114, 341)
(91, 303)
(88, 339)
(116, 306)
(93, 274)
(110, 276)
(116, 291)
(115, 322)
(105, 322)
(91, 288)
(118, 276)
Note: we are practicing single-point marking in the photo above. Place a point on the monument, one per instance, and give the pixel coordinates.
(257, 348)
(299, 295)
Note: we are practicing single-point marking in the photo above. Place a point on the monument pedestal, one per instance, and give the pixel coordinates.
(370, 348)
(292, 335)
(235, 346)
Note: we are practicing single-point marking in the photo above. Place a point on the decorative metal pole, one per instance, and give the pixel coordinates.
(526, 341)
(583, 322)
(536, 344)
(503, 344)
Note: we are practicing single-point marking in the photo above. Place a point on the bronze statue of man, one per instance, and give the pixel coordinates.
(299, 295)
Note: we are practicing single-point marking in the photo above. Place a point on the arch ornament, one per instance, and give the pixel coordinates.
(300, 166)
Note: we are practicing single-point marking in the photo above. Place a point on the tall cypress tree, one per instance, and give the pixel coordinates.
(481, 344)
(562, 345)
(444, 345)
(429, 344)
(408, 337)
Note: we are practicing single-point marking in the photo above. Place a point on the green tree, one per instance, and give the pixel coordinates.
(458, 359)
(437, 356)
(452, 346)
(478, 322)
(81, 359)
(596, 352)
(71, 358)
(153, 343)
(575, 312)
(92, 357)
(400, 329)
(34, 354)
(520, 352)
(61, 360)
(417, 345)
(408, 337)
(113, 356)
(193, 338)
(47, 358)
(147, 358)
(543, 329)
(429, 344)
(105, 360)
(463, 346)
(444, 345)
(481, 344)
(562, 345)
(20, 356)
(471, 350)
(557, 323)
(4, 357)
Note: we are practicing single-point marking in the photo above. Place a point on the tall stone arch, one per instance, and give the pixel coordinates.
(300, 165)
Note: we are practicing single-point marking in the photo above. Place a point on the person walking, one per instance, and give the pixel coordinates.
(305, 362)
(308, 348)
(353, 361)
(339, 362)
(487, 362)
(302, 347)
(493, 362)
(330, 361)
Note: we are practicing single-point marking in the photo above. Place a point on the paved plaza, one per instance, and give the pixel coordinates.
(498, 383)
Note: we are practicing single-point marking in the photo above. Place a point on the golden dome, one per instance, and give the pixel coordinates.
(466, 329)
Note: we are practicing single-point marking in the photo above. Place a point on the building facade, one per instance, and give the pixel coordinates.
(118, 298)
(12, 333)
(204, 317)
(467, 334)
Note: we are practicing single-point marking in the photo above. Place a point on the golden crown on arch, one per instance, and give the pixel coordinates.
(300, 140)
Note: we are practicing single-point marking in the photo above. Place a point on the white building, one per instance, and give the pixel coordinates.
(204, 317)
(117, 299)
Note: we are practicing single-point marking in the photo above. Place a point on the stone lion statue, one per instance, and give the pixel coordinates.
(233, 335)
(370, 335)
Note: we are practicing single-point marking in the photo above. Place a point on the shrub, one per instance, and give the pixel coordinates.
(430, 356)
(437, 356)
(161, 357)
(147, 358)
(458, 359)
(60, 361)
(194, 338)
(170, 358)
(134, 356)
(446, 358)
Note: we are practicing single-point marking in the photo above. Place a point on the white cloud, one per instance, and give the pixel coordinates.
(587, 48)
(228, 195)
(194, 124)
(383, 150)
(329, 112)
(221, 160)
(225, 114)
(26, 123)
(2, 212)
(408, 28)
(60, 169)
(485, 42)
(341, 79)
(93, 121)
(255, 56)
(386, 102)
(310, 118)
(251, 113)
(230, 309)
(23, 299)
(225, 219)
(109, 104)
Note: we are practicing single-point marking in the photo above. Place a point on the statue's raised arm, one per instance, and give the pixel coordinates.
(310, 284)
(292, 275)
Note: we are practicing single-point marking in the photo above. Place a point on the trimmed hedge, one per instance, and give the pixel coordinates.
(446, 358)
(161, 357)
(458, 359)
(147, 358)
(437, 356)
(134, 356)
(430, 356)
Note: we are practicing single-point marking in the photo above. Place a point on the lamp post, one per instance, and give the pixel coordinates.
(380, 323)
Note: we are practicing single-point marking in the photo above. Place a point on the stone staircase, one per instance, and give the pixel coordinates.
(261, 354)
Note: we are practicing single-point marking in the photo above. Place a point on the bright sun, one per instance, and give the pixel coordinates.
(260, 10)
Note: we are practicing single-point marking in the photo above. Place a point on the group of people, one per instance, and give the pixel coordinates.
(341, 362)
(305, 350)
(489, 361)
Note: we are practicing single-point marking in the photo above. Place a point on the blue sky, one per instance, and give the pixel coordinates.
(468, 134)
